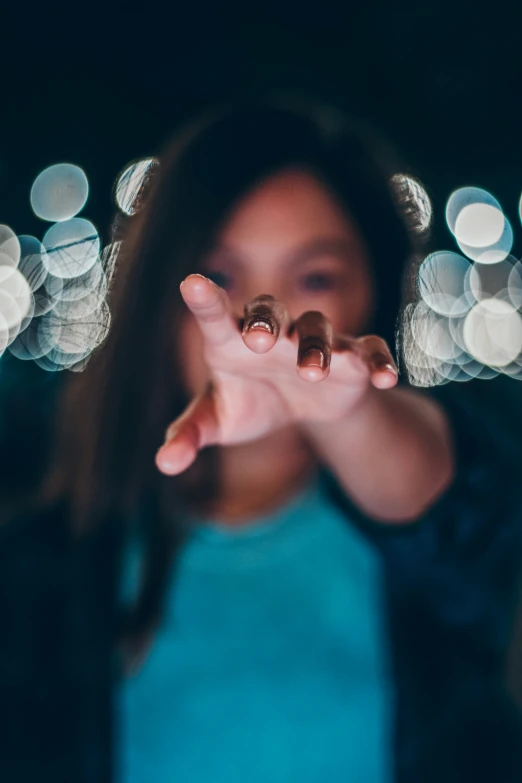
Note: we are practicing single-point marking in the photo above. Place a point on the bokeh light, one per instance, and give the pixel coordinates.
(494, 253)
(432, 334)
(49, 293)
(110, 257)
(465, 324)
(481, 230)
(513, 370)
(9, 247)
(31, 263)
(442, 282)
(72, 248)
(479, 225)
(56, 360)
(59, 192)
(15, 297)
(130, 182)
(77, 287)
(497, 281)
(493, 332)
(75, 336)
(53, 293)
(34, 342)
(4, 334)
(77, 309)
(422, 369)
(465, 197)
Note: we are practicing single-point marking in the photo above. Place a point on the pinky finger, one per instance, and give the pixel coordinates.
(383, 371)
(376, 355)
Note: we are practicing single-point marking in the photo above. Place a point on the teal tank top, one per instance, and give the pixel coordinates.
(272, 661)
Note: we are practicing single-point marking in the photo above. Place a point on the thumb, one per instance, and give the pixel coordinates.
(196, 428)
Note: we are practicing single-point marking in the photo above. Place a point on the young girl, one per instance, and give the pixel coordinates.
(317, 564)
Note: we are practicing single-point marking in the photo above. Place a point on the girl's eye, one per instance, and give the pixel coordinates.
(222, 279)
(318, 281)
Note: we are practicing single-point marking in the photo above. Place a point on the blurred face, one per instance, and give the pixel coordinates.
(288, 238)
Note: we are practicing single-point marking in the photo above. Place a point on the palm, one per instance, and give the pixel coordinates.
(257, 393)
(261, 382)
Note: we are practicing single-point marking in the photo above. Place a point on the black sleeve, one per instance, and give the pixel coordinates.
(465, 553)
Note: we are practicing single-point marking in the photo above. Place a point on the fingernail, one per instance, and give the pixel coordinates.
(313, 357)
(171, 433)
(381, 361)
(195, 274)
(259, 323)
(387, 366)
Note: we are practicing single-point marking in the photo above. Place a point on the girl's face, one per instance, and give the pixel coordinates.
(288, 238)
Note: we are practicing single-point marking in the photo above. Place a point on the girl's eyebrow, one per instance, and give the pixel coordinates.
(334, 246)
(222, 251)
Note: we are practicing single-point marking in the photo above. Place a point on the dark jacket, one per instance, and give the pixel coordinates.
(451, 590)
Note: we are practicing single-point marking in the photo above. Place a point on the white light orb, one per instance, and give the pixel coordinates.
(423, 368)
(497, 281)
(15, 297)
(479, 225)
(432, 334)
(79, 309)
(77, 287)
(493, 332)
(442, 277)
(31, 261)
(130, 182)
(494, 253)
(9, 247)
(34, 342)
(59, 192)
(46, 297)
(465, 197)
(72, 248)
(4, 335)
(80, 335)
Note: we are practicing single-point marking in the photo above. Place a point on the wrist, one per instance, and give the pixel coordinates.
(362, 409)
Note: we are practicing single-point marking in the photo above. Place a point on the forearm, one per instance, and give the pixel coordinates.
(393, 455)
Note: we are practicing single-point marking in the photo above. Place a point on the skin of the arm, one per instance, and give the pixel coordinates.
(400, 435)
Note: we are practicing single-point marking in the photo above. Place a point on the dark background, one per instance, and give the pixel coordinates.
(101, 84)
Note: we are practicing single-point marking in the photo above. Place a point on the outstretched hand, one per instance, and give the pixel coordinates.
(268, 372)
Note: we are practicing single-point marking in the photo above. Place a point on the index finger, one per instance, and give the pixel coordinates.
(210, 306)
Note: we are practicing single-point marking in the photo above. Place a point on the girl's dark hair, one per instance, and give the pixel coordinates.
(116, 411)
